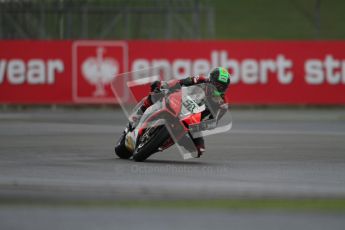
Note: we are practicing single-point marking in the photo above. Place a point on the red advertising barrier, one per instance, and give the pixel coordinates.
(263, 72)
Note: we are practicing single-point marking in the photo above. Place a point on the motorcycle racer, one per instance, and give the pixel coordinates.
(218, 77)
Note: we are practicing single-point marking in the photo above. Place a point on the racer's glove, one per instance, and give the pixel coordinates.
(156, 86)
(171, 88)
(163, 86)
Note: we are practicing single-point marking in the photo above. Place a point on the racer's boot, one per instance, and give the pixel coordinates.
(200, 145)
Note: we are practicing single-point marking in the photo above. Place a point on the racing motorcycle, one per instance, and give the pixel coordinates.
(175, 117)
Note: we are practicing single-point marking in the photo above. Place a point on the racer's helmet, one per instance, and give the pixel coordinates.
(220, 78)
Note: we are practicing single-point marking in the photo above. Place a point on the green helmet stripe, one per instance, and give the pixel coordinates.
(223, 75)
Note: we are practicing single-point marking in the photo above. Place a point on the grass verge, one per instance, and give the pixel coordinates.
(331, 205)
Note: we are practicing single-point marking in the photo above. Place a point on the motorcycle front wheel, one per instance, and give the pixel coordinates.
(150, 143)
(120, 148)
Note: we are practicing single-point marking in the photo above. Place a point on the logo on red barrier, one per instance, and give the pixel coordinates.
(95, 64)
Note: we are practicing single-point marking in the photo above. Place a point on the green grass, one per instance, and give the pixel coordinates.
(278, 19)
(328, 205)
(234, 19)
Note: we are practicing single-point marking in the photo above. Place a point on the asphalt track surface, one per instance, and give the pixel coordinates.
(68, 154)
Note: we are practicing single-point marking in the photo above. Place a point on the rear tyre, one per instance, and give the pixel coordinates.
(159, 136)
(120, 148)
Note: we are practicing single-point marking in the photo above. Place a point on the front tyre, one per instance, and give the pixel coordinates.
(120, 148)
(155, 140)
